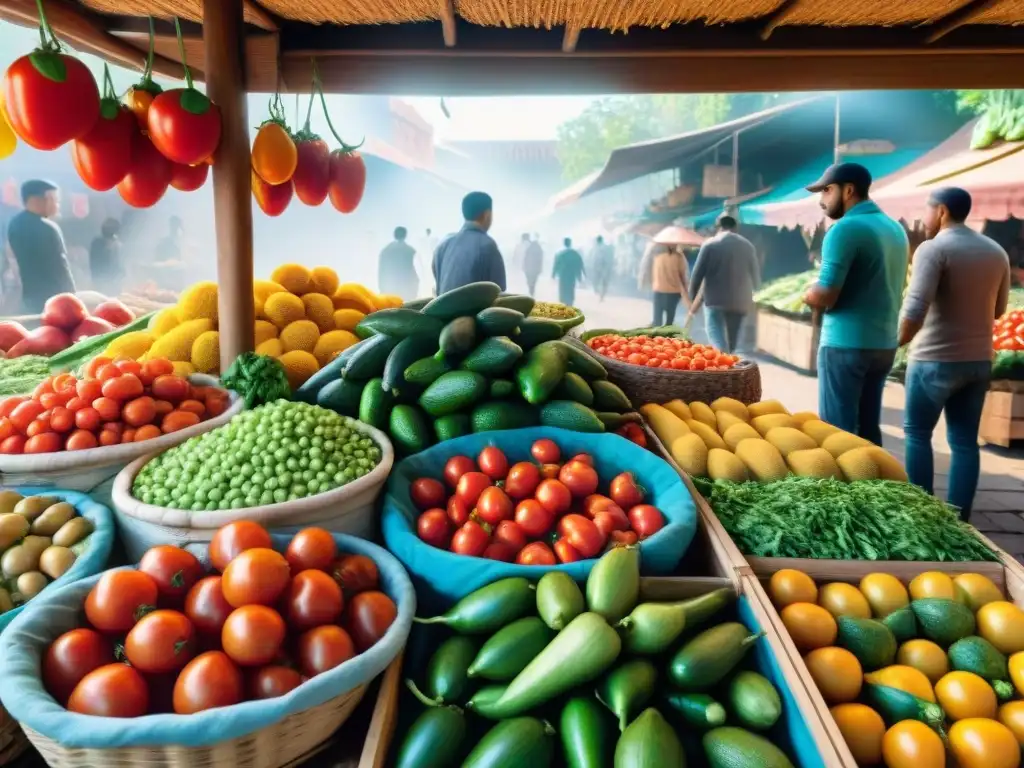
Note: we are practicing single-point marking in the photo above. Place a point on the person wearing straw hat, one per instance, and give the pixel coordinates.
(960, 283)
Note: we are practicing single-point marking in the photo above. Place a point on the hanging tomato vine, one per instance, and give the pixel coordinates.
(140, 96)
(274, 155)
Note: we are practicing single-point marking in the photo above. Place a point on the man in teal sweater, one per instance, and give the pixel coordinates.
(863, 270)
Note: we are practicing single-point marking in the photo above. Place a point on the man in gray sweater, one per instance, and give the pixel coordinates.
(959, 285)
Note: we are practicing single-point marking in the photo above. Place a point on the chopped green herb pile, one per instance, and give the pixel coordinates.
(259, 379)
(833, 520)
(20, 375)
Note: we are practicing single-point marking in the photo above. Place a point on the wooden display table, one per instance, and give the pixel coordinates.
(792, 339)
(1002, 420)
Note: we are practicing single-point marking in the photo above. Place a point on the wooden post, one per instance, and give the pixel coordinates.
(223, 41)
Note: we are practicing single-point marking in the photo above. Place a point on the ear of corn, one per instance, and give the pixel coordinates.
(765, 407)
(789, 439)
(858, 464)
(270, 348)
(666, 425)
(762, 459)
(680, 409)
(133, 345)
(839, 443)
(802, 417)
(294, 277)
(691, 454)
(176, 344)
(725, 465)
(163, 321)
(733, 406)
(263, 331)
(323, 280)
(889, 467)
(818, 429)
(301, 334)
(331, 343)
(726, 419)
(284, 308)
(702, 412)
(198, 301)
(206, 352)
(299, 365)
(814, 462)
(772, 420)
(737, 433)
(711, 438)
(320, 309)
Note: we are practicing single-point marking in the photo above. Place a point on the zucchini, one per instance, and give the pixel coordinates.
(613, 586)
(342, 396)
(896, 705)
(700, 609)
(574, 387)
(426, 371)
(408, 429)
(464, 300)
(458, 337)
(510, 649)
(652, 627)
(499, 321)
(417, 303)
(408, 351)
(493, 356)
(484, 699)
(399, 322)
(453, 391)
(586, 737)
(559, 599)
(447, 679)
(309, 390)
(522, 741)
(435, 739)
(368, 361)
(755, 701)
(537, 330)
(627, 688)
(375, 404)
(697, 709)
(738, 748)
(489, 608)
(902, 624)
(616, 421)
(519, 302)
(649, 742)
(584, 363)
(706, 660)
(502, 388)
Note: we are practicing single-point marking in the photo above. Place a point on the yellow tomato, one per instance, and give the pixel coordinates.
(975, 590)
(884, 592)
(912, 744)
(964, 695)
(8, 139)
(139, 101)
(810, 626)
(789, 586)
(841, 599)
(906, 679)
(836, 672)
(863, 731)
(932, 584)
(981, 743)
(1002, 624)
(1017, 671)
(1011, 715)
(924, 655)
(274, 156)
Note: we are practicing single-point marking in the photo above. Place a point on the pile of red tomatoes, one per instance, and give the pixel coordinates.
(170, 637)
(662, 352)
(539, 512)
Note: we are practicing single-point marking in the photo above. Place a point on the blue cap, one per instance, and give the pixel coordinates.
(843, 173)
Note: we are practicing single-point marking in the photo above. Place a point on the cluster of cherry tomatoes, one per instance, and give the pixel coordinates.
(538, 512)
(116, 401)
(662, 352)
(168, 637)
(1008, 331)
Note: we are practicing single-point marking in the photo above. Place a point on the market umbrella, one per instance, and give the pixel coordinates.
(675, 235)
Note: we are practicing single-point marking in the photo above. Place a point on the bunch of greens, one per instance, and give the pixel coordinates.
(786, 294)
(20, 375)
(833, 520)
(258, 379)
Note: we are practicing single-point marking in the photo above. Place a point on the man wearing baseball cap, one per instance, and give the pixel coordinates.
(863, 270)
(960, 283)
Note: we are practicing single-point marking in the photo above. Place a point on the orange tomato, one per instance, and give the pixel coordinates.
(108, 372)
(7, 429)
(25, 413)
(15, 444)
(139, 101)
(1011, 715)
(790, 586)
(140, 411)
(192, 406)
(178, 420)
(128, 436)
(8, 405)
(87, 418)
(80, 440)
(89, 389)
(123, 387)
(47, 442)
(837, 673)
(912, 744)
(274, 156)
(148, 432)
(38, 426)
(108, 409)
(964, 695)
(981, 743)
(863, 730)
(810, 626)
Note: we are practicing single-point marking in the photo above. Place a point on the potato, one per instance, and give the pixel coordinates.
(55, 561)
(53, 518)
(31, 584)
(18, 560)
(6, 603)
(36, 544)
(72, 532)
(9, 500)
(12, 528)
(34, 506)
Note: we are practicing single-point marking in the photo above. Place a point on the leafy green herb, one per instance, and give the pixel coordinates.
(258, 379)
(20, 375)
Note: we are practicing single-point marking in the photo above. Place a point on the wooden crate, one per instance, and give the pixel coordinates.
(383, 719)
(1002, 420)
(792, 341)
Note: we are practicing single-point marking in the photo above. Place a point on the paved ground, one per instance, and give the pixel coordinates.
(999, 504)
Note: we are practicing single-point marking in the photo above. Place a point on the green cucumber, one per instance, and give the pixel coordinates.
(584, 363)
(458, 337)
(504, 414)
(566, 414)
(870, 641)
(522, 741)
(464, 300)
(399, 322)
(649, 742)
(426, 371)
(574, 387)
(502, 388)
(408, 429)
(484, 699)
(342, 396)
(541, 372)
(417, 303)
(627, 688)
(755, 701)
(586, 737)
(537, 330)
(739, 748)
(608, 397)
(652, 627)
(519, 302)
(375, 404)
(370, 359)
(451, 426)
(489, 608)
(700, 609)
(507, 652)
(978, 655)
(613, 586)
(697, 709)
(943, 621)
(408, 351)
(706, 659)
(447, 679)
(307, 393)
(493, 356)
(579, 653)
(559, 599)
(902, 624)
(453, 391)
(435, 739)
(896, 705)
(499, 321)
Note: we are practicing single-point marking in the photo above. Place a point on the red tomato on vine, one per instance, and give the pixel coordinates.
(184, 125)
(272, 199)
(312, 176)
(51, 98)
(103, 156)
(148, 177)
(348, 179)
(189, 178)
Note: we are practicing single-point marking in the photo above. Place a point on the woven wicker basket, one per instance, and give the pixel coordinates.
(659, 385)
(12, 739)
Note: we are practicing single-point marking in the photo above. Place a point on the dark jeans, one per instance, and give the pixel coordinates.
(959, 390)
(723, 328)
(850, 385)
(531, 283)
(665, 308)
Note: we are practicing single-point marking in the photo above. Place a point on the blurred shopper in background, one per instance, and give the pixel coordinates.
(396, 269)
(663, 270)
(470, 255)
(726, 274)
(568, 271)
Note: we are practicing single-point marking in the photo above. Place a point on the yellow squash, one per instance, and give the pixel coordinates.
(982, 743)
(885, 593)
(912, 744)
(841, 599)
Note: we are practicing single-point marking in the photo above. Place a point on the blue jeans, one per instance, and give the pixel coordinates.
(850, 385)
(958, 389)
(723, 328)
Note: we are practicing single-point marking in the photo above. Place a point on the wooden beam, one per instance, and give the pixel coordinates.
(448, 22)
(260, 16)
(572, 36)
(79, 27)
(778, 17)
(961, 16)
(223, 37)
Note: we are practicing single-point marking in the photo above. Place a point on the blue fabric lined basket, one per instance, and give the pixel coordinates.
(24, 643)
(91, 561)
(442, 577)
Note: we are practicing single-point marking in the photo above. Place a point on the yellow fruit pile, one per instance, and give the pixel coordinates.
(983, 732)
(727, 440)
(304, 318)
